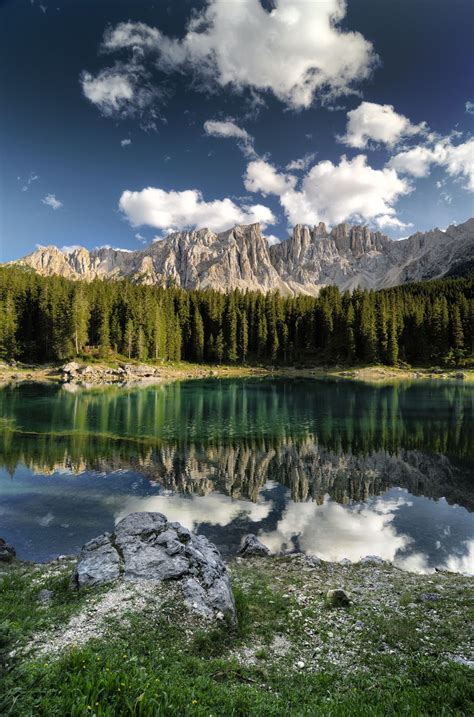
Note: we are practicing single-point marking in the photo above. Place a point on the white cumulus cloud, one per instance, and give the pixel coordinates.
(161, 209)
(52, 201)
(297, 50)
(331, 192)
(457, 160)
(272, 239)
(261, 176)
(111, 90)
(387, 221)
(126, 142)
(124, 91)
(416, 161)
(301, 164)
(352, 188)
(228, 128)
(377, 123)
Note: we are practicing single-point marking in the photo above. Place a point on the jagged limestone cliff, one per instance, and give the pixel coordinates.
(240, 258)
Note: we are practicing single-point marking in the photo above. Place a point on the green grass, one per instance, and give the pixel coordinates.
(163, 663)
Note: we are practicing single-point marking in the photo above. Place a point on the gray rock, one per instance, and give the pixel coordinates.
(7, 552)
(313, 561)
(463, 661)
(251, 545)
(429, 597)
(45, 596)
(345, 561)
(337, 598)
(146, 546)
(372, 560)
(99, 563)
(71, 367)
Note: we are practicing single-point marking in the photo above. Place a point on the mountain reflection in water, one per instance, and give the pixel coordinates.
(333, 468)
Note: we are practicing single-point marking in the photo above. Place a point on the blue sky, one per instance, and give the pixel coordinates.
(122, 120)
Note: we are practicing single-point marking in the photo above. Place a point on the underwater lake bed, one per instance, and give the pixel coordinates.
(334, 468)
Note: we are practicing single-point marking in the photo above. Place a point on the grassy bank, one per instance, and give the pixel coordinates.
(183, 370)
(134, 650)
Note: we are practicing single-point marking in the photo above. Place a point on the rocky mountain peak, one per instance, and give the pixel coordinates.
(313, 256)
(320, 231)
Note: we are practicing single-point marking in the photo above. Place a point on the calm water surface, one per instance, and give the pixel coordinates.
(333, 468)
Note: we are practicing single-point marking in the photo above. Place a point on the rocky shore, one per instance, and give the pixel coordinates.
(75, 373)
(152, 613)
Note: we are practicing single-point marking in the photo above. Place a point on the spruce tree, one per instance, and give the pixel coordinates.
(104, 335)
(220, 347)
(197, 334)
(80, 319)
(8, 328)
(231, 330)
(128, 337)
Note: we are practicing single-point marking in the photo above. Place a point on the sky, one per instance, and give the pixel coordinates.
(123, 120)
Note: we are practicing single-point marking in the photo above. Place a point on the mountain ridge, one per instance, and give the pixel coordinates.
(241, 258)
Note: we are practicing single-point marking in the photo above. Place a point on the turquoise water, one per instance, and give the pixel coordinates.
(334, 468)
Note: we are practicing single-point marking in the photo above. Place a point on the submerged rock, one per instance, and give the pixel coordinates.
(337, 598)
(251, 545)
(7, 551)
(146, 546)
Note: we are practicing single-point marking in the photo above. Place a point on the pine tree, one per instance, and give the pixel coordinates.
(141, 352)
(159, 335)
(197, 334)
(104, 335)
(349, 336)
(392, 341)
(220, 347)
(243, 336)
(115, 332)
(80, 319)
(8, 328)
(262, 335)
(368, 330)
(231, 331)
(457, 329)
(129, 337)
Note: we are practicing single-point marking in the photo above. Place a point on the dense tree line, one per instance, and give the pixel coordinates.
(52, 318)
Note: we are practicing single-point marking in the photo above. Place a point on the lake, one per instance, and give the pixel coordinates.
(335, 468)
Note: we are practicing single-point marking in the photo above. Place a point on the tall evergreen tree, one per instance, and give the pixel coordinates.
(129, 337)
(80, 318)
(8, 328)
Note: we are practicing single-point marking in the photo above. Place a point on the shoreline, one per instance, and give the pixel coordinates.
(108, 373)
(400, 646)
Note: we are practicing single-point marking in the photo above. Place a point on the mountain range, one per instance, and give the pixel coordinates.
(241, 258)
